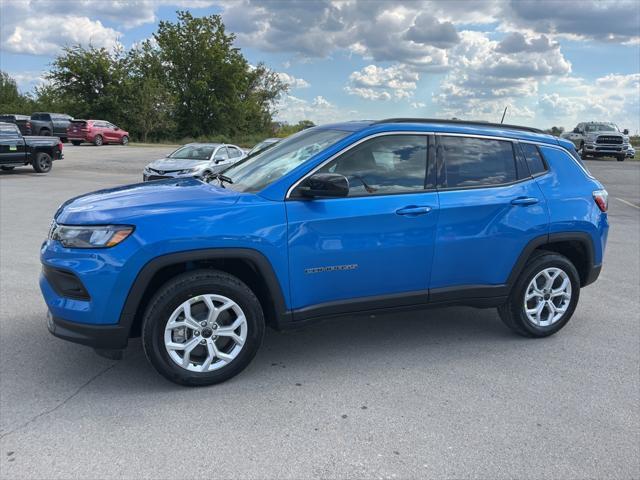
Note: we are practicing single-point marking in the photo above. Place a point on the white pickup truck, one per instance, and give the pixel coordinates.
(599, 139)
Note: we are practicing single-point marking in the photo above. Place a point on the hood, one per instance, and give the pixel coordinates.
(126, 204)
(168, 164)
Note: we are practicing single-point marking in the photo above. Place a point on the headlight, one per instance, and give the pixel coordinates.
(591, 138)
(188, 170)
(625, 139)
(90, 236)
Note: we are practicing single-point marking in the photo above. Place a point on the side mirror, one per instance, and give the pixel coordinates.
(626, 131)
(324, 185)
(576, 130)
(116, 128)
(219, 158)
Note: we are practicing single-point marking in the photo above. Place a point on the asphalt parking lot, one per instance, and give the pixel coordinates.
(441, 393)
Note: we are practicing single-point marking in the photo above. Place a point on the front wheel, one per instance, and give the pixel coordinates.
(202, 327)
(42, 163)
(124, 140)
(76, 142)
(544, 297)
(7, 169)
(621, 158)
(97, 141)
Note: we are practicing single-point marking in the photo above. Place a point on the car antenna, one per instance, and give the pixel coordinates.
(503, 114)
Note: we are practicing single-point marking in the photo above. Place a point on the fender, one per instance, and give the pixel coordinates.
(582, 237)
(257, 259)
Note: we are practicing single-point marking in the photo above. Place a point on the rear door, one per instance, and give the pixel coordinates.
(490, 208)
(12, 147)
(377, 243)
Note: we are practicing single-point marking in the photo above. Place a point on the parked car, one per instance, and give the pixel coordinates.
(17, 151)
(335, 220)
(193, 160)
(599, 139)
(631, 152)
(22, 121)
(98, 132)
(46, 124)
(268, 142)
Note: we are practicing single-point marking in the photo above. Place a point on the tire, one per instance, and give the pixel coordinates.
(76, 142)
(98, 141)
(166, 307)
(124, 140)
(45, 132)
(42, 163)
(7, 169)
(583, 155)
(513, 312)
(64, 139)
(621, 158)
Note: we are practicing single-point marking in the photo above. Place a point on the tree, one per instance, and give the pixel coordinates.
(216, 89)
(11, 100)
(556, 131)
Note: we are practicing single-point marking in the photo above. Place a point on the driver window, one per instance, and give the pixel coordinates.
(383, 165)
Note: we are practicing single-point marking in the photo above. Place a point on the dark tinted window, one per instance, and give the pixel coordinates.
(471, 162)
(390, 164)
(533, 157)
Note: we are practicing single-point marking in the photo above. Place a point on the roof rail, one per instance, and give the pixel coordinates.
(459, 122)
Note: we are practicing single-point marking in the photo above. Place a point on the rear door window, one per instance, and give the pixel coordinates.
(476, 162)
(534, 159)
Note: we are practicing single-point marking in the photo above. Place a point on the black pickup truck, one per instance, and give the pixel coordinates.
(22, 121)
(46, 124)
(16, 150)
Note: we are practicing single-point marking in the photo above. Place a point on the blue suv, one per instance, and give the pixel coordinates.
(336, 220)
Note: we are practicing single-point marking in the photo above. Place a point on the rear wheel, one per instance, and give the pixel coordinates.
(45, 132)
(544, 297)
(97, 141)
(42, 163)
(76, 142)
(202, 327)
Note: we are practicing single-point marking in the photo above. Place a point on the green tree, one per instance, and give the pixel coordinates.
(11, 100)
(89, 82)
(216, 89)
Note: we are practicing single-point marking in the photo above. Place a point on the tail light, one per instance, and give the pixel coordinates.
(601, 197)
(60, 147)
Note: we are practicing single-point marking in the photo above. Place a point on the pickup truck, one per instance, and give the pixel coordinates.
(22, 121)
(46, 124)
(599, 139)
(17, 151)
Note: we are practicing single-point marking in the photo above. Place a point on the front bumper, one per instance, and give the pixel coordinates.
(605, 149)
(100, 337)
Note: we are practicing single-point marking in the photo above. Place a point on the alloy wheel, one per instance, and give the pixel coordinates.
(205, 333)
(547, 297)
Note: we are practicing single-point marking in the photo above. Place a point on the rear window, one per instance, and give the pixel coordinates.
(8, 130)
(475, 162)
(534, 159)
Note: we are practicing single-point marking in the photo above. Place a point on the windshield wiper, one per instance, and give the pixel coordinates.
(218, 176)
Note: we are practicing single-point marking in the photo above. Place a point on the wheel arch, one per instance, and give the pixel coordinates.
(250, 266)
(576, 246)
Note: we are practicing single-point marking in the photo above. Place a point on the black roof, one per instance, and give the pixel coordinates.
(479, 123)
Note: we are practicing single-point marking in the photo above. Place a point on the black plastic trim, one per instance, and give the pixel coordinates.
(103, 337)
(502, 126)
(65, 283)
(259, 261)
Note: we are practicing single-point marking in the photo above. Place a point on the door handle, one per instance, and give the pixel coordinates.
(413, 210)
(524, 201)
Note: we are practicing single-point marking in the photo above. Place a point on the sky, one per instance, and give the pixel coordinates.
(550, 62)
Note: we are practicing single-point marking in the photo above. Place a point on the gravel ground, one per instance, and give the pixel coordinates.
(441, 393)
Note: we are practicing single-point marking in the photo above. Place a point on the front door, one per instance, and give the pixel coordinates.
(376, 242)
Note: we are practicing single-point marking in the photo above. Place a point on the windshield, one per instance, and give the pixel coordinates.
(261, 146)
(601, 127)
(195, 152)
(255, 173)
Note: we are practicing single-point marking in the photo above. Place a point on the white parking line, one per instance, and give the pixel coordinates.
(628, 203)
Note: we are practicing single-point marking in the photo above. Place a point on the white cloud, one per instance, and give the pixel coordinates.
(45, 35)
(292, 81)
(418, 105)
(292, 109)
(378, 83)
